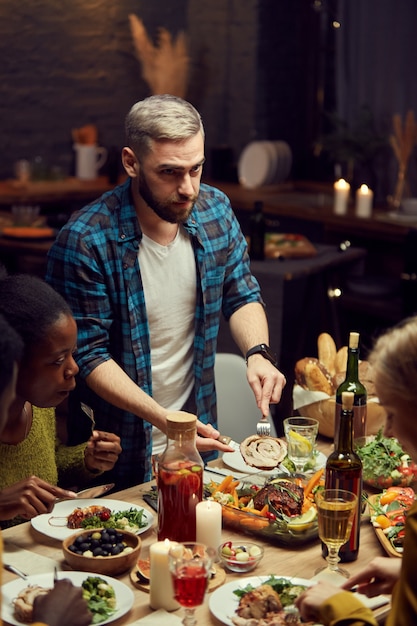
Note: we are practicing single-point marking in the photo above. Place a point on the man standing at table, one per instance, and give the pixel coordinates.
(148, 269)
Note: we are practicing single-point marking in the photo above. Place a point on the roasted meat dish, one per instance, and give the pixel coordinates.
(284, 496)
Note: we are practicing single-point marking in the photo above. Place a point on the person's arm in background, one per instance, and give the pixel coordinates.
(249, 328)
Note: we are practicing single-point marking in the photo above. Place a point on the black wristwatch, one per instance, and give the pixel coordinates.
(265, 350)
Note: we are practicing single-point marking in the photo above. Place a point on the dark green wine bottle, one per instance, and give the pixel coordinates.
(257, 227)
(344, 471)
(352, 383)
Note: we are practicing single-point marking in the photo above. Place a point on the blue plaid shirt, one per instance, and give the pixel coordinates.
(94, 264)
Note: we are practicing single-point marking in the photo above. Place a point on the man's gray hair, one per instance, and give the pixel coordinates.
(159, 118)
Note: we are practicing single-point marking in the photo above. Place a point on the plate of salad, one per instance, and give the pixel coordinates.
(388, 511)
(107, 598)
(115, 514)
(384, 462)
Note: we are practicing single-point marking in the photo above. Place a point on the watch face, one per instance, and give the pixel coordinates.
(269, 354)
(265, 351)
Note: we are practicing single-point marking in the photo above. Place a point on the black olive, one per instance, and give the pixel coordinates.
(98, 552)
(80, 539)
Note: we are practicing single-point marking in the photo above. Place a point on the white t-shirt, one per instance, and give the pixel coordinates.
(169, 283)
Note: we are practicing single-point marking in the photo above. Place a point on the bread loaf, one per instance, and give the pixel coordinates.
(326, 349)
(313, 375)
(366, 377)
(341, 360)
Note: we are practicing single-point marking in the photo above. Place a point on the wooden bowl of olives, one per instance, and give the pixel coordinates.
(105, 551)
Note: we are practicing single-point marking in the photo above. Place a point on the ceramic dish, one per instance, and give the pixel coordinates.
(42, 523)
(384, 539)
(235, 461)
(223, 602)
(117, 552)
(124, 595)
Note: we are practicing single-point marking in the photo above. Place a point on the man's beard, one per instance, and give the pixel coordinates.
(164, 210)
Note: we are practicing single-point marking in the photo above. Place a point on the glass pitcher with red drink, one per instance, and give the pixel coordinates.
(180, 479)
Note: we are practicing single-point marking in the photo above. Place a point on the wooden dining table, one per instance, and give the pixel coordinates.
(298, 561)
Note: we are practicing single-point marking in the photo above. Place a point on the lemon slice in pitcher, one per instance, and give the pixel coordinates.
(303, 445)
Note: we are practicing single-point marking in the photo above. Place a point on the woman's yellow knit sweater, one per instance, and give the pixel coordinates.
(42, 454)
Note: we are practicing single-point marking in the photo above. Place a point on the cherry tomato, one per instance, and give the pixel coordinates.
(104, 516)
(271, 516)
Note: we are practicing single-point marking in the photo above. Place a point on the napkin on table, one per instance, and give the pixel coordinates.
(157, 618)
(28, 562)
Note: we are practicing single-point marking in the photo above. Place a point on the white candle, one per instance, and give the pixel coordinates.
(341, 196)
(364, 198)
(161, 591)
(209, 523)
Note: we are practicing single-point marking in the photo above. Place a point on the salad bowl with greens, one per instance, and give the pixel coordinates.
(384, 462)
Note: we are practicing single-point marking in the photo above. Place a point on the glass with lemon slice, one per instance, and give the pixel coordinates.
(300, 434)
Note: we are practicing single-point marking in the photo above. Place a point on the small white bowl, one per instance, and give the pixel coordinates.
(409, 206)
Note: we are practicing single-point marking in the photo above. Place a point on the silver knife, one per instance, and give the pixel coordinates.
(95, 492)
(15, 570)
(91, 492)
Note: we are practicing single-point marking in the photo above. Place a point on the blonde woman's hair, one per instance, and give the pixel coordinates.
(159, 118)
(394, 361)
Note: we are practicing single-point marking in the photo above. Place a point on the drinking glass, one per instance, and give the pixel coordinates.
(300, 434)
(190, 565)
(336, 511)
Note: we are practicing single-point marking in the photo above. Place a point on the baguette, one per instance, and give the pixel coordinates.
(341, 360)
(326, 349)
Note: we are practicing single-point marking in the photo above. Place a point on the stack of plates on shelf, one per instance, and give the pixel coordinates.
(264, 163)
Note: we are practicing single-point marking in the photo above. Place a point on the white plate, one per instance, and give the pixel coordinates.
(223, 602)
(42, 523)
(254, 166)
(124, 595)
(235, 461)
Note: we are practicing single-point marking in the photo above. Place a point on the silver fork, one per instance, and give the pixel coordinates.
(90, 414)
(263, 427)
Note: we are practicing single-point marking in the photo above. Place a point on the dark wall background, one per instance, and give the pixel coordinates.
(65, 64)
(260, 69)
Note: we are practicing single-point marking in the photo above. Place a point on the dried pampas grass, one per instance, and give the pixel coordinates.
(402, 141)
(164, 65)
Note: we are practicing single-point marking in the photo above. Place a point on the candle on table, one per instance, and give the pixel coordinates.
(364, 197)
(209, 523)
(341, 196)
(161, 591)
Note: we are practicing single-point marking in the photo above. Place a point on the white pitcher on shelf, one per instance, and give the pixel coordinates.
(88, 160)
